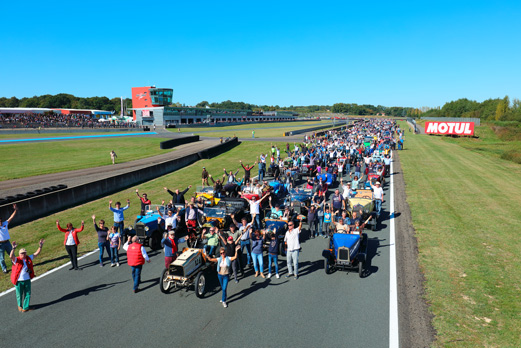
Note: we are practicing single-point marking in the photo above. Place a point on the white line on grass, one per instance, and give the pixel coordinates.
(49, 272)
(394, 341)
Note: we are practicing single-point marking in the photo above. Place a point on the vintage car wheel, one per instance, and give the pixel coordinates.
(200, 285)
(360, 269)
(154, 241)
(328, 267)
(164, 284)
(282, 249)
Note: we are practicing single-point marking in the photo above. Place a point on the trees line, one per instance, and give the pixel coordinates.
(499, 109)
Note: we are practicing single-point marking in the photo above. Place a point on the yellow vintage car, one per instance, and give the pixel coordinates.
(208, 195)
(363, 204)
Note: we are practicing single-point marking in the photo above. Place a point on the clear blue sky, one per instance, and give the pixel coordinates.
(404, 53)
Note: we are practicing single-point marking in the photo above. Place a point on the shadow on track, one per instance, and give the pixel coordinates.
(73, 295)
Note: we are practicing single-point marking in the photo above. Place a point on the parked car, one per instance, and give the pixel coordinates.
(346, 252)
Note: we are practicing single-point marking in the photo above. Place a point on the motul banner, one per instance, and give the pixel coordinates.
(450, 128)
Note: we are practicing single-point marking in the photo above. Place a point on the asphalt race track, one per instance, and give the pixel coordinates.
(97, 308)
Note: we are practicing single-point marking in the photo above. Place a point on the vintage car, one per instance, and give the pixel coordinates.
(346, 252)
(208, 195)
(375, 174)
(363, 204)
(216, 217)
(279, 227)
(146, 226)
(190, 268)
(300, 200)
(327, 178)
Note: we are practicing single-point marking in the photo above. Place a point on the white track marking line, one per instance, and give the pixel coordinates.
(49, 272)
(394, 341)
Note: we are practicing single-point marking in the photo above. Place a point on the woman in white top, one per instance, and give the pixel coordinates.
(223, 267)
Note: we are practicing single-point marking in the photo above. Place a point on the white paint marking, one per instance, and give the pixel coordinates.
(394, 341)
(49, 272)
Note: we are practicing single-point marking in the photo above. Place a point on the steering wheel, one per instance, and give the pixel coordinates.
(274, 216)
(366, 197)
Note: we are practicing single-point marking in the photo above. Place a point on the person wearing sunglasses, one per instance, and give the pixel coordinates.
(23, 272)
(223, 269)
(293, 246)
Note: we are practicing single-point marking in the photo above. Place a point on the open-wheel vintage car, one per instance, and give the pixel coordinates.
(208, 195)
(216, 217)
(190, 268)
(363, 204)
(279, 227)
(346, 252)
(300, 200)
(146, 227)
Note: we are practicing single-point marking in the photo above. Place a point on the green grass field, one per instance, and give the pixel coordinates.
(30, 159)
(262, 130)
(465, 208)
(54, 253)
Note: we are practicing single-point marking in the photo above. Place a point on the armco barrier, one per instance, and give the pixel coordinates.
(61, 199)
(168, 144)
(300, 131)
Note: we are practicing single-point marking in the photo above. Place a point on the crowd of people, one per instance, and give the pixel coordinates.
(52, 120)
(347, 156)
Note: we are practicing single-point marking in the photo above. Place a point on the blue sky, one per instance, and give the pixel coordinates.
(421, 53)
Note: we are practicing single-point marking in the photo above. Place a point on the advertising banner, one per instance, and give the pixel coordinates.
(449, 128)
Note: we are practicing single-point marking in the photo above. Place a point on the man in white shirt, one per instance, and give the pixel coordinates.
(254, 211)
(5, 244)
(378, 194)
(170, 218)
(293, 246)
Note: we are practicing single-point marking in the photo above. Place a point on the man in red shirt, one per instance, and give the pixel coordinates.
(22, 274)
(144, 201)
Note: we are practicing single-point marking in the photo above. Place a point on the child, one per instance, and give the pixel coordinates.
(327, 222)
(273, 254)
(115, 245)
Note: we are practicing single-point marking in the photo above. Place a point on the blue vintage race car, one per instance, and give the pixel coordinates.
(346, 252)
(146, 227)
(327, 178)
(279, 227)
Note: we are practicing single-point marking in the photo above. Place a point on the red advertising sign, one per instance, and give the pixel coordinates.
(450, 128)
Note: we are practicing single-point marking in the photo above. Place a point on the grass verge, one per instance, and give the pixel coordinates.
(30, 159)
(465, 208)
(54, 254)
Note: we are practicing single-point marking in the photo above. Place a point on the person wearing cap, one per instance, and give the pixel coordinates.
(169, 243)
(23, 272)
(192, 214)
(378, 194)
(144, 201)
(170, 218)
(5, 244)
(204, 177)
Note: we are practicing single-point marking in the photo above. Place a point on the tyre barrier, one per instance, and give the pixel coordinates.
(31, 194)
(20, 196)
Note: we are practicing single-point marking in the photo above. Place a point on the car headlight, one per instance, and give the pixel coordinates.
(147, 228)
